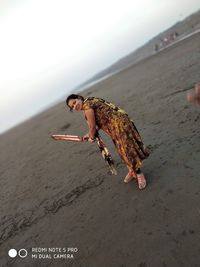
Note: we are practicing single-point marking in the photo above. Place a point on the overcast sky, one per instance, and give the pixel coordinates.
(49, 47)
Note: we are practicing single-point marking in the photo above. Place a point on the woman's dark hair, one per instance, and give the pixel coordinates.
(73, 96)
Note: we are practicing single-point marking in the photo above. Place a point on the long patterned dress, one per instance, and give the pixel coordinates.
(116, 123)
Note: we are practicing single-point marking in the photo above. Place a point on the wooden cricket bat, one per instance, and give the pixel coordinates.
(67, 137)
(103, 149)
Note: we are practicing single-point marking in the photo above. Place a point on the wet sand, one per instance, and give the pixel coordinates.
(59, 194)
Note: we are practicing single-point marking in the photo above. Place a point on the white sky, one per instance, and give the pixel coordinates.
(48, 47)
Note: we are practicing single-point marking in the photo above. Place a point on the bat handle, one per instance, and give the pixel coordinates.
(54, 137)
(87, 139)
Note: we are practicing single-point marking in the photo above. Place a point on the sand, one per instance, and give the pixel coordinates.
(61, 195)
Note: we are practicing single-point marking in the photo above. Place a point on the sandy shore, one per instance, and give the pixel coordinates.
(61, 195)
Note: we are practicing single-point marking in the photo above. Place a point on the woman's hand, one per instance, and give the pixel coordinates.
(88, 138)
(91, 140)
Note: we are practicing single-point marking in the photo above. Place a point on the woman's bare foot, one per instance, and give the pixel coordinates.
(141, 181)
(129, 177)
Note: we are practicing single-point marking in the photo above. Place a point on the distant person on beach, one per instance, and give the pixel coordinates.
(195, 97)
(156, 47)
(101, 114)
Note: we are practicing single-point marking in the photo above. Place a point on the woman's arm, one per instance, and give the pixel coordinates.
(89, 113)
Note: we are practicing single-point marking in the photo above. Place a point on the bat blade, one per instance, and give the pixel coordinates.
(67, 137)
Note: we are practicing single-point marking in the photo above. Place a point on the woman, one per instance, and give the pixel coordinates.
(114, 121)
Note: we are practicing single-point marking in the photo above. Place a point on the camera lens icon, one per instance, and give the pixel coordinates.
(22, 253)
(13, 253)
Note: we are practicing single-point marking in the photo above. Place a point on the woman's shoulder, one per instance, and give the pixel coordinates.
(91, 102)
(88, 103)
(92, 99)
(95, 102)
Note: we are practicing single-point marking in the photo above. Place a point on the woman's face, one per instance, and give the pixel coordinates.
(75, 104)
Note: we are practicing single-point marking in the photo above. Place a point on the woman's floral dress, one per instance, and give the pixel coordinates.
(116, 123)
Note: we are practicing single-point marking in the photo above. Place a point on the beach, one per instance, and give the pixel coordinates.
(57, 194)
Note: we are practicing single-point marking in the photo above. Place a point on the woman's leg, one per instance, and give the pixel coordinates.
(141, 179)
(130, 176)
